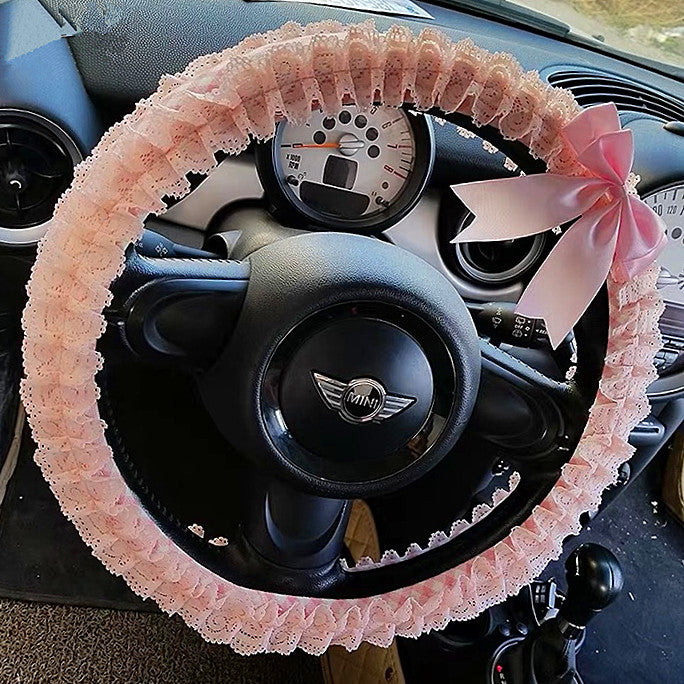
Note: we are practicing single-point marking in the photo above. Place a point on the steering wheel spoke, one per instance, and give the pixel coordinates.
(177, 308)
(289, 538)
(531, 417)
(527, 414)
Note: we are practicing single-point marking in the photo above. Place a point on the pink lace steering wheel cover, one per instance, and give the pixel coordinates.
(216, 104)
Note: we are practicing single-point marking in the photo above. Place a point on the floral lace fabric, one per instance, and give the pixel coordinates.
(217, 103)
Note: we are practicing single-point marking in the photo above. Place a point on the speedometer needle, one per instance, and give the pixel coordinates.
(348, 145)
(298, 145)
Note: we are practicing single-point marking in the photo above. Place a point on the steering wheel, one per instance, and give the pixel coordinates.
(340, 365)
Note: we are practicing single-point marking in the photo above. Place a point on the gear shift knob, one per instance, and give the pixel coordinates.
(594, 577)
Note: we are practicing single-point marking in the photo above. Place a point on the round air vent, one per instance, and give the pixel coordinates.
(499, 262)
(496, 263)
(37, 160)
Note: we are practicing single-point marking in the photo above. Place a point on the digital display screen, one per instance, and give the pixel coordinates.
(340, 172)
(334, 201)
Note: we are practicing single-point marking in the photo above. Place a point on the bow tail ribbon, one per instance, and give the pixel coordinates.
(621, 232)
(509, 208)
(573, 273)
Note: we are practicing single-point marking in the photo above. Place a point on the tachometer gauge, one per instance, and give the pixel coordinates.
(358, 170)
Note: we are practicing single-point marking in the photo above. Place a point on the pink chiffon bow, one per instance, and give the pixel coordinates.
(614, 228)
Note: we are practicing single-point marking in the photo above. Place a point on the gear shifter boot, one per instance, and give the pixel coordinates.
(545, 656)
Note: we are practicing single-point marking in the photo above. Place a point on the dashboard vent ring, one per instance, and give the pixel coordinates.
(594, 87)
(37, 160)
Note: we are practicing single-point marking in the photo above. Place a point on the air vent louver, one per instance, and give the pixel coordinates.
(593, 87)
(36, 165)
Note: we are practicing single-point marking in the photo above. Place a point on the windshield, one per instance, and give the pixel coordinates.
(648, 28)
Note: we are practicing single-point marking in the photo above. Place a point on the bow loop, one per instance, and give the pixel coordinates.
(610, 157)
(640, 239)
(590, 125)
(613, 229)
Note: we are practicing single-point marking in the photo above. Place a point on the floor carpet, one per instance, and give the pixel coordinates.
(42, 558)
(42, 643)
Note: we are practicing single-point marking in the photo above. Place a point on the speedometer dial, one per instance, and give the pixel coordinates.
(668, 203)
(358, 170)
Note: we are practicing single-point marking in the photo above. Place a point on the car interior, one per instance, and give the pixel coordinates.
(313, 384)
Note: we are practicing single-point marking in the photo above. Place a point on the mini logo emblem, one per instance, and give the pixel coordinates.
(360, 400)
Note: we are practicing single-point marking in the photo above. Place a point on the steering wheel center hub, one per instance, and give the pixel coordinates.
(358, 389)
(353, 370)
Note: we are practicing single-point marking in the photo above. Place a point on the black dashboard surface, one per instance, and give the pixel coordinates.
(122, 51)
